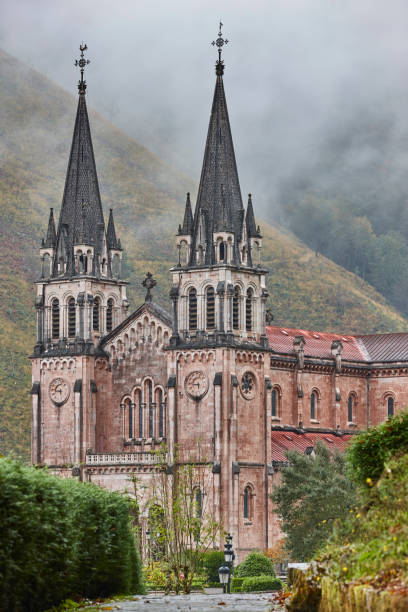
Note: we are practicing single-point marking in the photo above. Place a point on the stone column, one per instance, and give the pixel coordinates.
(336, 349)
(35, 428)
(81, 307)
(217, 417)
(77, 420)
(230, 294)
(174, 295)
(172, 414)
(298, 346)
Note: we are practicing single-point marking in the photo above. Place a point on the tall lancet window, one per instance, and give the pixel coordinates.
(192, 309)
(161, 413)
(151, 408)
(248, 309)
(109, 315)
(96, 314)
(71, 318)
(55, 316)
(139, 403)
(235, 308)
(129, 415)
(210, 295)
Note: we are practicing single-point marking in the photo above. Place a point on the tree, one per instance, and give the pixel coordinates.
(181, 517)
(314, 492)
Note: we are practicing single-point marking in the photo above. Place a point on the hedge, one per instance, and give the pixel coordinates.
(236, 585)
(60, 538)
(256, 564)
(212, 561)
(261, 583)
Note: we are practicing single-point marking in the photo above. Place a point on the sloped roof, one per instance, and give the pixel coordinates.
(151, 307)
(284, 440)
(367, 348)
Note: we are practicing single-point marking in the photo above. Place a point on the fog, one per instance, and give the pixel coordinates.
(313, 86)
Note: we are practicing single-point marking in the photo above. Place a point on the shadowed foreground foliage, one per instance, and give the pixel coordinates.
(60, 538)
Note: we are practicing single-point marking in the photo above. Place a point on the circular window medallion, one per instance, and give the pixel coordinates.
(196, 385)
(248, 385)
(59, 391)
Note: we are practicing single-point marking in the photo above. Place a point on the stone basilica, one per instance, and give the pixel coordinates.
(213, 376)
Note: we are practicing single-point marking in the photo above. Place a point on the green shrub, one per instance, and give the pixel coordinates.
(61, 538)
(236, 584)
(212, 561)
(256, 564)
(261, 583)
(371, 449)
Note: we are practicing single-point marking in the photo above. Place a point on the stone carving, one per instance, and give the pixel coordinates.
(196, 384)
(248, 385)
(59, 391)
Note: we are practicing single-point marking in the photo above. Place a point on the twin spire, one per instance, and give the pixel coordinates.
(219, 205)
(81, 220)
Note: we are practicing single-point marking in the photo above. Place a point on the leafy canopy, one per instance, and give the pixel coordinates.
(372, 448)
(256, 564)
(314, 492)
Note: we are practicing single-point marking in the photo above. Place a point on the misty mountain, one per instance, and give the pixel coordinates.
(148, 196)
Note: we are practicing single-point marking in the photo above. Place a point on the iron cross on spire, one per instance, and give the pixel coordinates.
(82, 62)
(220, 42)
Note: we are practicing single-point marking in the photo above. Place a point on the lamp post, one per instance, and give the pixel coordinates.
(225, 570)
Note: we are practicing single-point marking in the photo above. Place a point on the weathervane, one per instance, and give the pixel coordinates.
(82, 62)
(220, 42)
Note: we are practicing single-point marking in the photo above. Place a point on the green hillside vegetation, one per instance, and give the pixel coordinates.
(36, 122)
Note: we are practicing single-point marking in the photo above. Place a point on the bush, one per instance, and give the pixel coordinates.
(61, 538)
(371, 449)
(236, 585)
(256, 564)
(261, 583)
(212, 561)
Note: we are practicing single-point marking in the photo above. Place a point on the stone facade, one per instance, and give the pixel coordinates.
(211, 378)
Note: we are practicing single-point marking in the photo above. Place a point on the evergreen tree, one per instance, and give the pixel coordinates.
(313, 493)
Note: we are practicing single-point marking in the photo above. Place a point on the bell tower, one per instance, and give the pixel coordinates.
(217, 387)
(80, 297)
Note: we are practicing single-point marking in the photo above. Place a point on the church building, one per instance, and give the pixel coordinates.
(211, 375)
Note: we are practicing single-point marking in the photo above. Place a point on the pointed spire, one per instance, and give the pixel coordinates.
(112, 241)
(51, 238)
(219, 168)
(252, 229)
(81, 211)
(187, 228)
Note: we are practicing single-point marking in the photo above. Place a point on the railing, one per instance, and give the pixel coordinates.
(122, 458)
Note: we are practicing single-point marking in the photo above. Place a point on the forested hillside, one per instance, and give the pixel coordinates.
(351, 202)
(36, 122)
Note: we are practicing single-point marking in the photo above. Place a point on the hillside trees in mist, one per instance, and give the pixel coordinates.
(331, 228)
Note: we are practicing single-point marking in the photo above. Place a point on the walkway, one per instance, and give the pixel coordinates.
(236, 602)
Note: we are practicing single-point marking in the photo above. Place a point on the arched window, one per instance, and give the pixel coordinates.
(350, 408)
(109, 315)
(248, 503)
(151, 408)
(55, 315)
(95, 313)
(139, 401)
(161, 413)
(390, 406)
(313, 405)
(192, 309)
(116, 266)
(235, 308)
(129, 417)
(248, 309)
(210, 308)
(199, 503)
(83, 264)
(71, 318)
(275, 403)
(46, 265)
(222, 251)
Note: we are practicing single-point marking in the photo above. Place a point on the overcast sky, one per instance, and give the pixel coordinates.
(297, 71)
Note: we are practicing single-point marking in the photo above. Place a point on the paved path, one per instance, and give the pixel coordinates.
(236, 602)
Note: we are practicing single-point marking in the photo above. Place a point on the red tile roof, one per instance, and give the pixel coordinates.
(364, 348)
(283, 441)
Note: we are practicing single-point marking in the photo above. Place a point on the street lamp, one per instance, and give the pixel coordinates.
(225, 570)
(224, 574)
